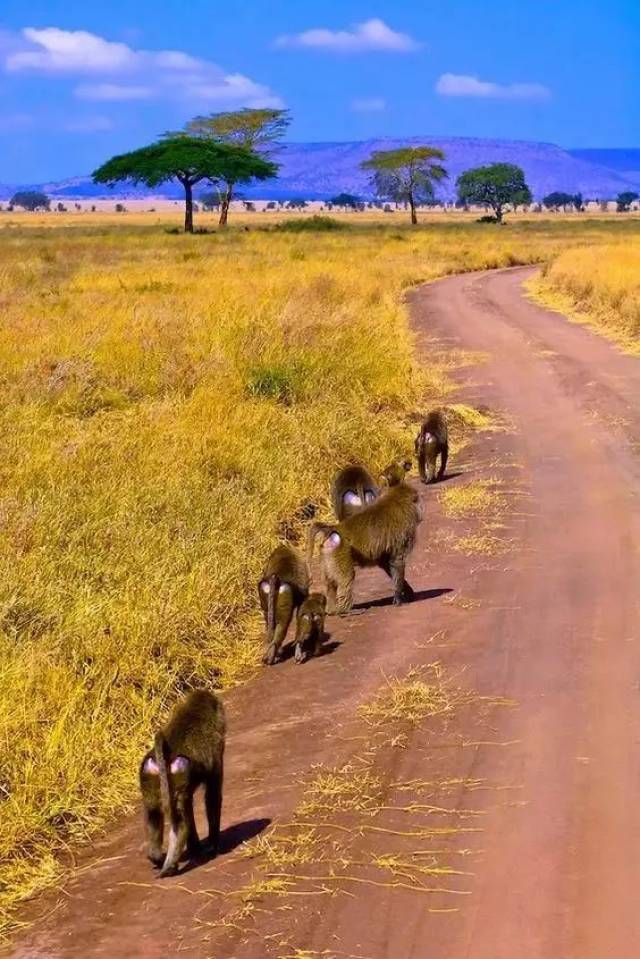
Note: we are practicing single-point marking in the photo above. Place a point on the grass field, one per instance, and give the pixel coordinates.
(168, 404)
(598, 285)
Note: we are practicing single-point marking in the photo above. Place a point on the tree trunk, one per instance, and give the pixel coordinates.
(188, 206)
(224, 206)
(412, 204)
(498, 212)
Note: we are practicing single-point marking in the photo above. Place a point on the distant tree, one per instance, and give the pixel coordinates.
(61, 208)
(625, 199)
(297, 203)
(254, 130)
(557, 200)
(121, 208)
(271, 205)
(406, 175)
(77, 206)
(93, 209)
(249, 206)
(189, 160)
(346, 200)
(497, 185)
(604, 206)
(31, 200)
(210, 201)
(578, 202)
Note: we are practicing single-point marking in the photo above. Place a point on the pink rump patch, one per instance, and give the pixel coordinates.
(180, 764)
(264, 586)
(151, 766)
(351, 499)
(332, 541)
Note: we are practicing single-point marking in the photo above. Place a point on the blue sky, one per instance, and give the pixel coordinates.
(80, 81)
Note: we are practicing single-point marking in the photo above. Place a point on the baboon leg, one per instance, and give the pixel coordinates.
(402, 592)
(421, 465)
(431, 469)
(330, 588)
(213, 803)
(155, 828)
(444, 456)
(345, 597)
(279, 634)
(193, 842)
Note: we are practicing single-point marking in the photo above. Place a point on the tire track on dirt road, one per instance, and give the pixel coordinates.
(555, 867)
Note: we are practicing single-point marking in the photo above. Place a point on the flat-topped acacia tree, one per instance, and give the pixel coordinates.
(189, 160)
(406, 175)
(495, 185)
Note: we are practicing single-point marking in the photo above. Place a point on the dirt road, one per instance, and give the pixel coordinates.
(508, 825)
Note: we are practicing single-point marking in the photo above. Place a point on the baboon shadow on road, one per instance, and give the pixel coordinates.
(418, 597)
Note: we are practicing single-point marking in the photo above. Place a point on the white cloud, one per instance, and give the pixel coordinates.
(129, 74)
(369, 105)
(89, 125)
(460, 85)
(112, 91)
(363, 37)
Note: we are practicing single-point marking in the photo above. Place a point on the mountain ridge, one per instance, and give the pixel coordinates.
(319, 170)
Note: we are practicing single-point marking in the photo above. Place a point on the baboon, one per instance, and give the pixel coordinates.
(188, 752)
(395, 472)
(310, 626)
(283, 587)
(432, 441)
(382, 534)
(353, 487)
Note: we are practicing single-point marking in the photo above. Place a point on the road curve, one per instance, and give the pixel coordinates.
(556, 866)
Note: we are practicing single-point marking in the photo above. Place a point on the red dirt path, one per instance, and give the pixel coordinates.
(552, 867)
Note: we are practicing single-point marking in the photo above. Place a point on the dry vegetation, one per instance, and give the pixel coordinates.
(598, 285)
(167, 403)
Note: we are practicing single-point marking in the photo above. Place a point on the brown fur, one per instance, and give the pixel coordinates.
(356, 481)
(284, 585)
(432, 441)
(193, 743)
(310, 626)
(395, 473)
(382, 534)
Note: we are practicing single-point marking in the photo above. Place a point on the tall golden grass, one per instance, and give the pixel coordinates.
(167, 405)
(599, 285)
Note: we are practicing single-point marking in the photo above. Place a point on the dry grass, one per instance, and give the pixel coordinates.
(598, 285)
(167, 403)
(472, 499)
(411, 699)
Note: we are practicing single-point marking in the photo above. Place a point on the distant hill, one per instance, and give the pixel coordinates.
(625, 162)
(321, 170)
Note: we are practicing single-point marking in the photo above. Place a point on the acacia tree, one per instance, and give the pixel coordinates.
(406, 175)
(31, 200)
(257, 130)
(625, 199)
(188, 160)
(495, 185)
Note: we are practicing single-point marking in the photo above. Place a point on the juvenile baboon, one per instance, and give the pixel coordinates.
(353, 487)
(395, 472)
(382, 534)
(432, 441)
(284, 585)
(310, 626)
(188, 752)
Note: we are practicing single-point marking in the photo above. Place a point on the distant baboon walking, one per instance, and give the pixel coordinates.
(432, 441)
(310, 626)
(382, 534)
(282, 588)
(188, 752)
(353, 487)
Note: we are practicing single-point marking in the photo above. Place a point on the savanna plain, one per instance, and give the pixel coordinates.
(171, 408)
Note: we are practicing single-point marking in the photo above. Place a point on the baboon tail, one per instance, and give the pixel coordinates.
(314, 530)
(161, 749)
(274, 585)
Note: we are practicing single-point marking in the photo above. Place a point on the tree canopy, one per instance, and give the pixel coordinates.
(188, 160)
(406, 175)
(557, 199)
(495, 185)
(31, 200)
(256, 130)
(346, 199)
(625, 199)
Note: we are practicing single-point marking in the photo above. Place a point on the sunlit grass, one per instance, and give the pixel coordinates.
(167, 406)
(600, 286)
